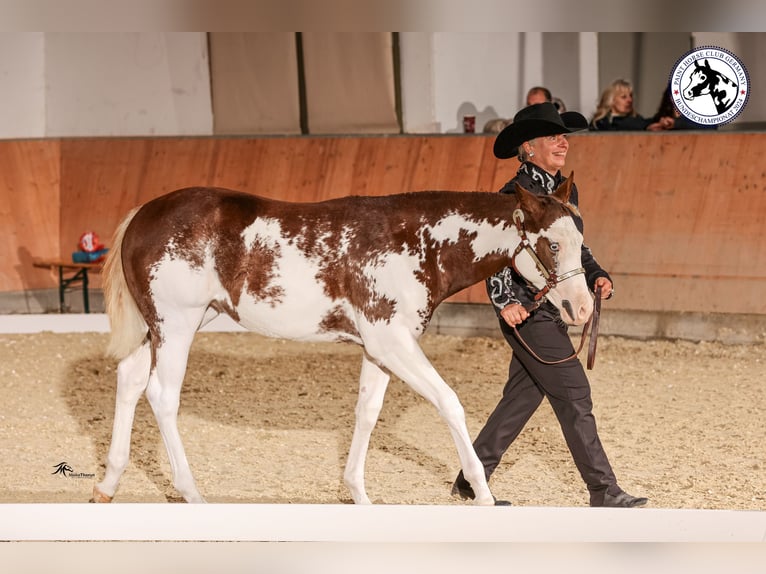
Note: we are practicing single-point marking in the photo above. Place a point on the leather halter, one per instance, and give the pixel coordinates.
(551, 280)
(551, 277)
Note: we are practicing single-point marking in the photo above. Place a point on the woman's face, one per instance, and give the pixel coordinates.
(550, 152)
(622, 104)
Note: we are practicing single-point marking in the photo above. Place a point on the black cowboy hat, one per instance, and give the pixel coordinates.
(536, 121)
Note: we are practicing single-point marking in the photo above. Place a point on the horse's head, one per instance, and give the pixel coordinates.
(699, 80)
(553, 260)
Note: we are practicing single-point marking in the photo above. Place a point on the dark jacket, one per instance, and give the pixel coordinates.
(507, 286)
(620, 123)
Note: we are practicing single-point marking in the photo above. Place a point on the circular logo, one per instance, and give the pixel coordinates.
(709, 86)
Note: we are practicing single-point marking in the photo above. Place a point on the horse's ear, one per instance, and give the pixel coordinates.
(564, 190)
(528, 201)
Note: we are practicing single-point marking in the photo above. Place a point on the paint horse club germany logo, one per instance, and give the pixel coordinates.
(709, 86)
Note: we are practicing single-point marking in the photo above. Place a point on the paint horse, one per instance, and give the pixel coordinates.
(368, 270)
(704, 80)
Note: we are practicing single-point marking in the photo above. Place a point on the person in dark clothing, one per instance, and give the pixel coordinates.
(667, 109)
(615, 112)
(538, 95)
(538, 135)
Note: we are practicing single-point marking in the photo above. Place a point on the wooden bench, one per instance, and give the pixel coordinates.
(69, 274)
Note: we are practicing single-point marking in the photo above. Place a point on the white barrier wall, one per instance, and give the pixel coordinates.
(22, 92)
(104, 84)
(158, 83)
(109, 84)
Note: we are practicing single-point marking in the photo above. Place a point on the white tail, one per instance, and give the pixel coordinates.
(127, 325)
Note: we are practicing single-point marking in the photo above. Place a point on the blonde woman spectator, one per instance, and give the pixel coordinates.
(616, 112)
(495, 125)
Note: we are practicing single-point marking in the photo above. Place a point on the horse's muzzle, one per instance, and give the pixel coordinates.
(578, 317)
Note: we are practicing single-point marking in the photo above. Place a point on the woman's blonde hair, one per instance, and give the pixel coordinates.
(607, 98)
(495, 125)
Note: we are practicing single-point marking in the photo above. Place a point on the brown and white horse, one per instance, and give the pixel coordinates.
(369, 270)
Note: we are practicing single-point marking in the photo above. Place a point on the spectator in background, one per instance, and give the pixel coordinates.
(495, 125)
(538, 95)
(667, 109)
(535, 95)
(616, 112)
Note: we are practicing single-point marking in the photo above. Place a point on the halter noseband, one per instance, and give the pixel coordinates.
(551, 277)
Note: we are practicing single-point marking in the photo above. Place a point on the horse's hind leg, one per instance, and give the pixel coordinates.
(132, 378)
(164, 394)
(373, 382)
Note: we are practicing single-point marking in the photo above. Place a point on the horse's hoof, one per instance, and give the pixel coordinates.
(99, 496)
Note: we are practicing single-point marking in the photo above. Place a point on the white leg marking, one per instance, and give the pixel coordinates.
(164, 392)
(132, 378)
(406, 360)
(373, 382)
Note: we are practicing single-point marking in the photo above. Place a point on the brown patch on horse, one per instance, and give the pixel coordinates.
(444, 262)
(241, 270)
(336, 237)
(336, 321)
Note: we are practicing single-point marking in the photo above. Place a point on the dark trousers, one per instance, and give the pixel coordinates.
(566, 387)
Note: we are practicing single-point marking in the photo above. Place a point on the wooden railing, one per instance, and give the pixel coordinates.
(675, 217)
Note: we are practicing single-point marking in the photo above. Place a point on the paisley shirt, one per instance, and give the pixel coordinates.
(507, 286)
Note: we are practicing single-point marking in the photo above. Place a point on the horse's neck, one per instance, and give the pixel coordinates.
(463, 270)
(479, 272)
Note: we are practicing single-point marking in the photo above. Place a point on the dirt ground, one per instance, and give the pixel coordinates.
(271, 421)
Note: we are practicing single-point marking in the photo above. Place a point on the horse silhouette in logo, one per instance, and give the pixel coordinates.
(704, 81)
(62, 468)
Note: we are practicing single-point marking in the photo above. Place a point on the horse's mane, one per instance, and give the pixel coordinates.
(572, 209)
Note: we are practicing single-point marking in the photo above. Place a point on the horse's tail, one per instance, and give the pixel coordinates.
(127, 325)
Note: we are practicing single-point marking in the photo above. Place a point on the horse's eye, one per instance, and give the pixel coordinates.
(554, 247)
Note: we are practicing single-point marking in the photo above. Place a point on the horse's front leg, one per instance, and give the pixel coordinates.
(410, 364)
(373, 382)
(132, 378)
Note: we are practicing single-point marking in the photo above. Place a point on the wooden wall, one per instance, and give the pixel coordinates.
(675, 217)
(29, 211)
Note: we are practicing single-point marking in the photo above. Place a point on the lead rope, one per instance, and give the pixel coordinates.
(594, 329)
(591, 323)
